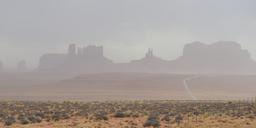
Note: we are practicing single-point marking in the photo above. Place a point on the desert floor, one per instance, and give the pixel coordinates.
(128, 114)
(202, 122)
(124, 86)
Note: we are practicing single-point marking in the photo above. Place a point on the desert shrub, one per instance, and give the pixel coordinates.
(40, 114)
(59, 115)
(56, 116)
(2, 115)
(152, 122)
(120, 115)
(135, 115)
(35, 119)
(166, 117)
(101, 116)
(196, 113)
(24, 120)
(251, 116)
(178, 119)
(9, 121)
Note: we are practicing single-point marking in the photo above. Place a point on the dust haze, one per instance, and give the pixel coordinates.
(204, 71)
(127, 50)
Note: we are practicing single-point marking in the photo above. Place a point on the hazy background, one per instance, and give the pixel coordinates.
(126, 28)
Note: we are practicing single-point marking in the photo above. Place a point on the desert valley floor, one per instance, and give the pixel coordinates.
(125, 86)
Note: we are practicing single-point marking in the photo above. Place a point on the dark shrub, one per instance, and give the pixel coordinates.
(135, 115)
(120, 115)
(35, 119)
(24, 120)
(166, 118)
(56, 116)
(251, 116)
(2, 115)
(59, 115)
(40, 114)
(178, 119)
(9, 121)
(101, 116)
(152, 121)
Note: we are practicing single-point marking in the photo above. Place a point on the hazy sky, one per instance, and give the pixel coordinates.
(126, 28)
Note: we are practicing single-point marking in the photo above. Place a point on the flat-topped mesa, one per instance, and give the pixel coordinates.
(217, 57)
(220, 51)
(91, 51)
(76, 59)
(88, 51)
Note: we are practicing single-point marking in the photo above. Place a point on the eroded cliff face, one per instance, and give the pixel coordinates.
(219, 57)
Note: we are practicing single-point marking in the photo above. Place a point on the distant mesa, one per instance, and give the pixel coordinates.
(88, 58)
(52, 61)
(220, 57)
